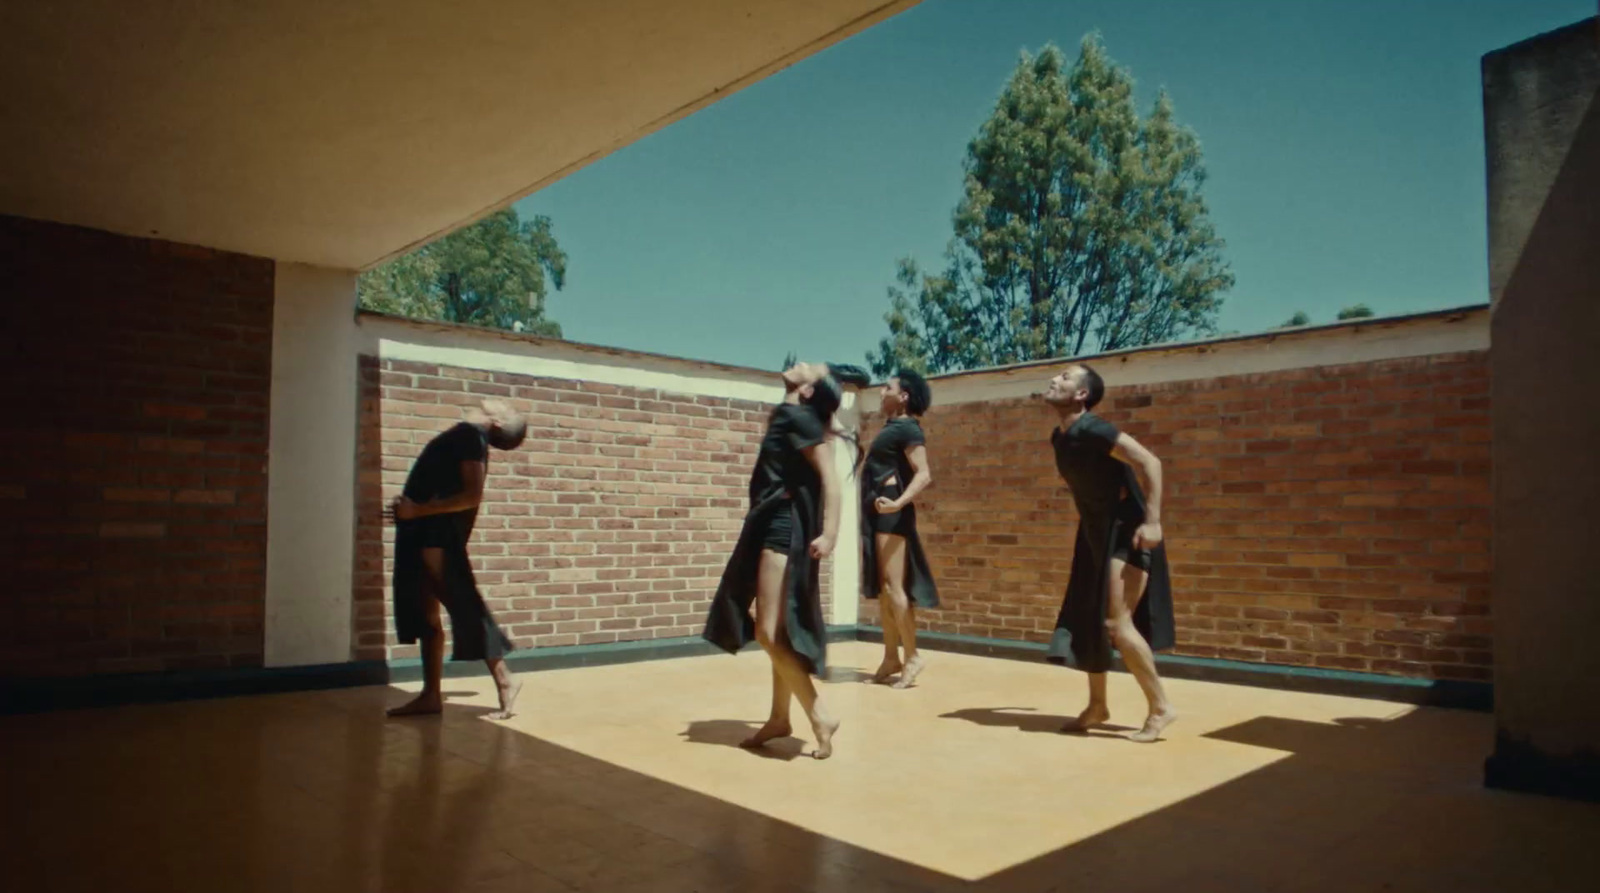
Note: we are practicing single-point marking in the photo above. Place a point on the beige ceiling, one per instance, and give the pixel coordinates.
(340, 132)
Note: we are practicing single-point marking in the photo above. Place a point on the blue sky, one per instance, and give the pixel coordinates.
(1344, 143)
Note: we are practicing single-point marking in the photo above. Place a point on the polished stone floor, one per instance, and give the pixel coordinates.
(625, 778)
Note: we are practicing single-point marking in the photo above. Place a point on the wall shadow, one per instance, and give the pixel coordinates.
(321, 792)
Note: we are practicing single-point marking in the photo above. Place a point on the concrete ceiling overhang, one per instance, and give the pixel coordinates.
(342, 132)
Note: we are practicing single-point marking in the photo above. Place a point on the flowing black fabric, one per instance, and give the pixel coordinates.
(436, 474)
(887, 462)
(783, 481)
(1111, 507)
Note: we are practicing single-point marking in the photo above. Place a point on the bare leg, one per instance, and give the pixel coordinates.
(1127, 588)
(769, 576)
(431, 700)
(777, 725)
(770, 595)
(889, 611)
(892, 567)
(508, 687)
(1098, 710)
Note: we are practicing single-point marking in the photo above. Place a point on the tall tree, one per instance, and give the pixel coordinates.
(1356, 311)
(494, 273)
(1081, 227)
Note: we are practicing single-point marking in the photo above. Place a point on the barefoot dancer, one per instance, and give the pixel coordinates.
(893, 564)
(433, 520)
(792, 523)
(1119, 592)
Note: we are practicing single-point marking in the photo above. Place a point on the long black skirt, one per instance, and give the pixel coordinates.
(474, 632)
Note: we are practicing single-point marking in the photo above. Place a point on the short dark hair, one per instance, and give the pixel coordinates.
(508, 433)
(1095, 384)
(918, 395)
(846, 374)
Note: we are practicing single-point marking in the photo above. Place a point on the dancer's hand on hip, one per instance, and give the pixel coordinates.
(402, 509)
(1148, 536)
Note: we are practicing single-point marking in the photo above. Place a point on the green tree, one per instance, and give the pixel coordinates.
(494, 273)
(1081, 226)
(1299, 319)
(1358, 311)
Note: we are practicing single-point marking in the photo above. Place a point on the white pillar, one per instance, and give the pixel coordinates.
(311, 467)
(845, 590)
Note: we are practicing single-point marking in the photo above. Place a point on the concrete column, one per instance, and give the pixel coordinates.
(846, 584)
(311, 467)
(1542, 128)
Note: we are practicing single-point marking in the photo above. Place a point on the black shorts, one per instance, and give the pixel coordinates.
(1123, 548)
(448, 531)
(898, 523)
(780, 530)
(901, 523)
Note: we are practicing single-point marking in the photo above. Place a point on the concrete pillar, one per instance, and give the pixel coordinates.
(1542, 129)
(845, 592)
(311, 467)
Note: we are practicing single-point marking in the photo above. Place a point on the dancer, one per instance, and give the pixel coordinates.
(793, 522)
(433, 519)
(1119, 591)
(893, 564)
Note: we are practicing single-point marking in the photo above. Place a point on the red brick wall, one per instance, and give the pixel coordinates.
(133, 453)
(611, 523)
(1332, 517)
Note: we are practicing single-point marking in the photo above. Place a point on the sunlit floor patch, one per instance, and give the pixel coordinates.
(627, 778)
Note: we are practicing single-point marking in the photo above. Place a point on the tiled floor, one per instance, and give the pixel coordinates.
(624, 778)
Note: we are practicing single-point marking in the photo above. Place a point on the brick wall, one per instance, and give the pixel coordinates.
(1334, 517)
(133, 453)
(611, 523)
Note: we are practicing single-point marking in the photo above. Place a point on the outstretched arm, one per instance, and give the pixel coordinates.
(1131, 451)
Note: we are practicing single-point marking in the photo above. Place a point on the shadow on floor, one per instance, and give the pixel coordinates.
(320, 793)
(1026, 720)
(731, 732)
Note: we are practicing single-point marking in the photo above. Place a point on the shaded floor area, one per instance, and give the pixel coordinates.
(626, 778)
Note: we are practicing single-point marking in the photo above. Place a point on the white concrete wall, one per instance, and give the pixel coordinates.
(1330, 345)
(311, 467)
(845, 587)
(470, 348)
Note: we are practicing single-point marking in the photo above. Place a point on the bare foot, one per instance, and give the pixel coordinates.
(1092, 715)
(773, 729)
(1154, 726)
(824, 730)
(889, 667)
(508, 699)
(913, 669)
(424, 704)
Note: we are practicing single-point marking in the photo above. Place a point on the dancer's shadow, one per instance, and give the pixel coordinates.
(847, 674)
(730, 732)
(1025, 720)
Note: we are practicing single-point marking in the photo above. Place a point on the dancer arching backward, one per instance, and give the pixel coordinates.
(433, 519)
(1119, 592)
(894, 568)
(793, 522)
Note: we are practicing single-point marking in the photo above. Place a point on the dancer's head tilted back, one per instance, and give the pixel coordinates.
(503, 426)
(1078, 386)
